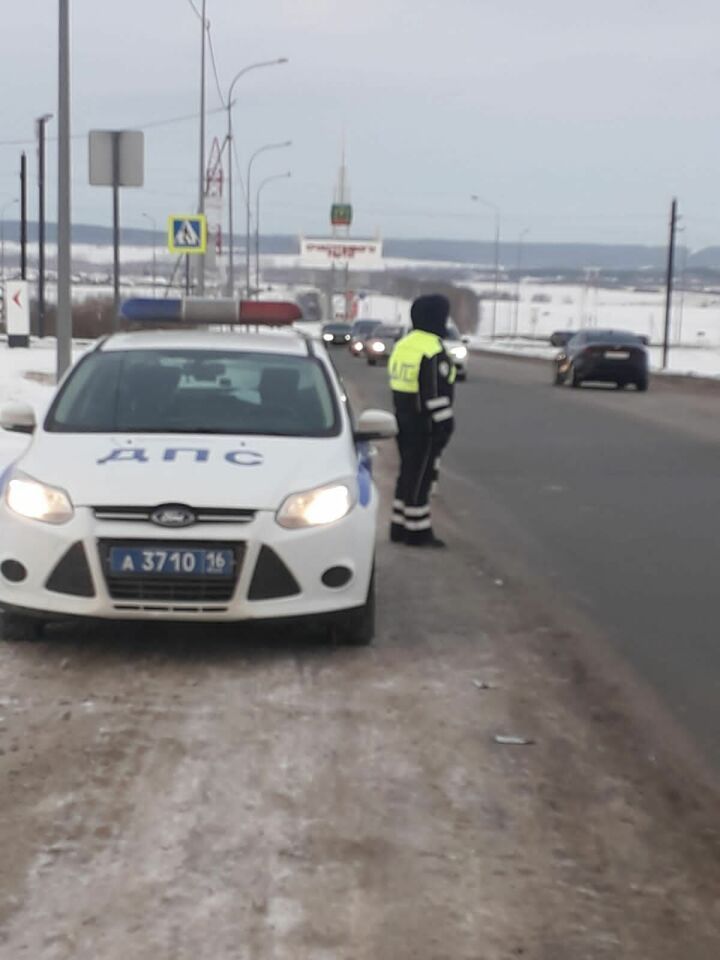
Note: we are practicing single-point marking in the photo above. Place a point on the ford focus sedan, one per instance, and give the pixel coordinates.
(197, 477)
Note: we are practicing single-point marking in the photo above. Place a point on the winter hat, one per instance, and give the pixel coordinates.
(430, 313)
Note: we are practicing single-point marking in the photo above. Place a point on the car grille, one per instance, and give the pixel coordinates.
(202, 514)
(171, 589)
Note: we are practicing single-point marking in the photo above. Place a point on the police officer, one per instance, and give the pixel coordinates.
(422, 378)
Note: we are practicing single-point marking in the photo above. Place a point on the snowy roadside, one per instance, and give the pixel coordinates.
(683, 361)
(27, 376)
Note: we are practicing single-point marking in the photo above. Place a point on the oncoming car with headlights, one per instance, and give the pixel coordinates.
(379, 345)
(456, 347)
(193, 476)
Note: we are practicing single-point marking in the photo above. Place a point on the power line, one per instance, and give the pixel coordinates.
(213, 60)
(195, 10)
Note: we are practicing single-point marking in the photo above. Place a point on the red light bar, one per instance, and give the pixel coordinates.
(274, 313)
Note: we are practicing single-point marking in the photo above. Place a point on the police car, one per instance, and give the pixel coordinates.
(194, 476)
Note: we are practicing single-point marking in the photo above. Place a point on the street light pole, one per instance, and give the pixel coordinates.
(263, 149)
(201, 198)
(153, 221)
(263, 184)
(64, 255)
(522, 236)
(229, 141)
(41, 124)
(496, 211)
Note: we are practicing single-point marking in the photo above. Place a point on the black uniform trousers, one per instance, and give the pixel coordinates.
(419, 445)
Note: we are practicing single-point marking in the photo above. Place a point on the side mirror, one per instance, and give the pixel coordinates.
(645, 341)
(560, 338)
(18, 418)
(465, 339)
(376, 425)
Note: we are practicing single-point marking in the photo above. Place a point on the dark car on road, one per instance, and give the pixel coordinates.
(336, 333)
(380, 343)
(361, 330)
(603, 356)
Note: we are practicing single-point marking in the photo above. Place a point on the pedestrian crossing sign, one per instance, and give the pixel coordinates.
(187, 233)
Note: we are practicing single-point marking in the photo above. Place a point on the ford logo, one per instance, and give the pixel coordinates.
(172, 515)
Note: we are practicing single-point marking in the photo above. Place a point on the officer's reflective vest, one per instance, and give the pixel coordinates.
(407, 357)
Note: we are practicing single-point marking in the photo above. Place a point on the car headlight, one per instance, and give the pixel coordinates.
(357, 346)
(378, 347)
(327, 336)
(316, 508)
(459, 353)
(37, 501)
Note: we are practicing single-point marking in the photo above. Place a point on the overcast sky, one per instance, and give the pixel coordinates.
(579, 119)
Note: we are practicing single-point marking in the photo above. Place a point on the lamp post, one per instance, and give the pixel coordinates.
(41, 124)
(153, 222)
(229, 141)
(522, 236)
(64, 252)
(263, 149)
(5, 207)
(496, 211)
(263, 184)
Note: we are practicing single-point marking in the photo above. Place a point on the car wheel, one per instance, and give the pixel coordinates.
(356, 628)
(558, 379)
(575, 379)
(642, 384)
(15, 628)
(372, 361)
(461, 377)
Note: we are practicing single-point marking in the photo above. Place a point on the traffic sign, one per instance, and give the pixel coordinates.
(17, 313)
(341, 214)
(187, 233)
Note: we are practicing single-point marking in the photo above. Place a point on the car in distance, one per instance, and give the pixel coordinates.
(603, 356)
(379, 345)
(456, 347)
(336, 334)
(193, 476)
(359, 333)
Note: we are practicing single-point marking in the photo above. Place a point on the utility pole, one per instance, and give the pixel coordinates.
(23, 216)
(201, 198)
(64, 301)
(517, 285)
(153, 222)
(669, 285)
(248, 240)
(41, 123)
(496, 271)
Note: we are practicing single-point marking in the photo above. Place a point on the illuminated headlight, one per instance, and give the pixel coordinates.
(378, 347)
(316, 508)
(459, 353)
(37, 501)
(327, 337)
(357, 346)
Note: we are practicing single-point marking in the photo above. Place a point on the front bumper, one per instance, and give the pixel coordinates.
(279, 572)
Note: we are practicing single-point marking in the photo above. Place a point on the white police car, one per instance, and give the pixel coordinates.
(193, 476)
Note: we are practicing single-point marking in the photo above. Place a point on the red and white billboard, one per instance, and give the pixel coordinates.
(342, 252)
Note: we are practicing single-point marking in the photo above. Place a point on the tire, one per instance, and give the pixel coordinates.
(15, 628)
(356, 628)
(558, 379)
(372, 362)
(575, 380)
(642, 384)
(461, 377)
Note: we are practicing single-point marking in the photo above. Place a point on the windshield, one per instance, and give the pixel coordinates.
(336, 328)
(388, 332)
(452, 332)
(196, 391)
(609, 336)
(362, 327)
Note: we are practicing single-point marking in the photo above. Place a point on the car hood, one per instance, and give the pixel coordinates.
(200, 471)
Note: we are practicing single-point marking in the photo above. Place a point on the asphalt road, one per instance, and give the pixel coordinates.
(608, 503)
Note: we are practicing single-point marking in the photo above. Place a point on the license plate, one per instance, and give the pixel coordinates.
(167, 562)
(617, 355)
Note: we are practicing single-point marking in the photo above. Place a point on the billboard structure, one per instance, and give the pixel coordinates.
(341, 253)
